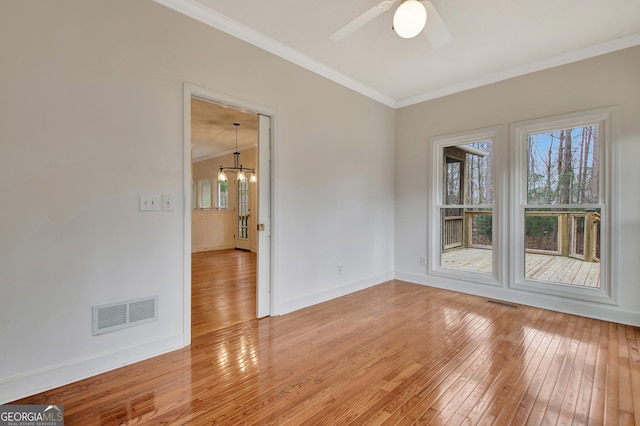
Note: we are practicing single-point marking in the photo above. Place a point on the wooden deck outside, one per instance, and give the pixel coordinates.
(565, 270)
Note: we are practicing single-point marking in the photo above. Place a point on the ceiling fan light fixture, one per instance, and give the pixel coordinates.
(409, 19)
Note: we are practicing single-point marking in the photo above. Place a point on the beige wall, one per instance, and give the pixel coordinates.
(608, 80)
(214, 229)
(91, 116)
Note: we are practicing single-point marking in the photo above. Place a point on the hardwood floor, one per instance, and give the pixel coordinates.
(223, 289)
(393, 354)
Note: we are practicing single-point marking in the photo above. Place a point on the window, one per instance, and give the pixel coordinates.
(204, 194)
(243, 209)
(464, 207)
(539, 222)
(560, 208)
(223, 195)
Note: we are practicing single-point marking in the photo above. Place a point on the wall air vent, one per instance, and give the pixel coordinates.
(116, 316)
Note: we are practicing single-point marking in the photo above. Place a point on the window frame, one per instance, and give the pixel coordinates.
(607, 293)
(436, 202)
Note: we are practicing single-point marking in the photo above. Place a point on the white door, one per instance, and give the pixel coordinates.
(263, 291)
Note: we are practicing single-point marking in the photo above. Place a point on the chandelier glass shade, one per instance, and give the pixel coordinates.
(237, 168)
(409, 19)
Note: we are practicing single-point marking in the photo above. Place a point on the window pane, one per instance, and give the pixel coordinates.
(223, 195)
(467, 231)
(243, 209)
(479, 172)
(563, 166)
(481, 229)
(453, 182)
(468, 173)
(541, 231)
(467, 241)
(205, 194)
(452, 228)
(563, 246)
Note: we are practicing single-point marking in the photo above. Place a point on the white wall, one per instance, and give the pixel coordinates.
(609, 80)
(91, 115)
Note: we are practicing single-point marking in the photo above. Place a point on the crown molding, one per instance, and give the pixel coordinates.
(199, 12)
(546, 63)
(196, 10)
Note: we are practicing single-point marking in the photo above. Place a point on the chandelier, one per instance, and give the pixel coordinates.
(237, 167)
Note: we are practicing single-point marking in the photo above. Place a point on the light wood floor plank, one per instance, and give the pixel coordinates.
(583, 399)
(512, 365)
(612, 396)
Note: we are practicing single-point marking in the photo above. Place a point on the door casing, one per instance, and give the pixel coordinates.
(264, 275)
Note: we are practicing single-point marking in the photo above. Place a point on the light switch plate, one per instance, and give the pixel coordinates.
(167, 202)
(149, 203)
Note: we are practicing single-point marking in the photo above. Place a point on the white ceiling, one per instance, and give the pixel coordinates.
(213, 133)
(492, 40)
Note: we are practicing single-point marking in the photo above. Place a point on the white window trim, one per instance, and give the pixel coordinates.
(607, 293)
(438, 143)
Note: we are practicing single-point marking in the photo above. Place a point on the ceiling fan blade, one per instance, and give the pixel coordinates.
(361, 20)
(435, 28)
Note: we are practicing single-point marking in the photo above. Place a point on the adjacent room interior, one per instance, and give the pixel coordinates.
(223, 226)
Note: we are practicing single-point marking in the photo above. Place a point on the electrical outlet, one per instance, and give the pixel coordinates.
(423, 261)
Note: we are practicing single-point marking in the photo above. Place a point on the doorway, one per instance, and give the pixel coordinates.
(236, 216)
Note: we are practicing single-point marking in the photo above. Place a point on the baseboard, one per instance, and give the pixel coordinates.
(565, 305)
(34, 382)
(199, 249)
(343, 290)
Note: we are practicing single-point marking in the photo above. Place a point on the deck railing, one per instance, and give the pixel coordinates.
(574, 234)
(453, 232)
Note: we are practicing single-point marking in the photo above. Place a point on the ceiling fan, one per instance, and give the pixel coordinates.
(413, 10)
